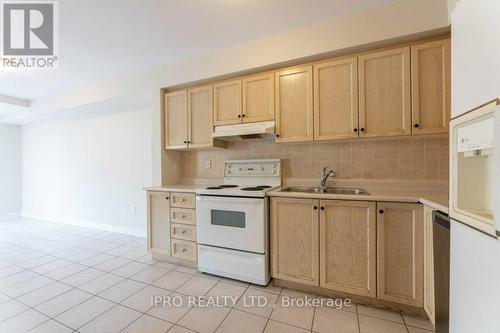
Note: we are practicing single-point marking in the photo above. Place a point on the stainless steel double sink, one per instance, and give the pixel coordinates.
(329, 190)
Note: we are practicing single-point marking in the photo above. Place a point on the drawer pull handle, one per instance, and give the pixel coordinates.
(183, 199)
(183, 216)
(183, 232)
(183, 250)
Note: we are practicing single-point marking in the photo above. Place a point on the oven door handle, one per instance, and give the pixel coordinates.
(245, 200)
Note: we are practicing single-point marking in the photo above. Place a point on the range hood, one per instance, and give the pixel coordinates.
(260, 130)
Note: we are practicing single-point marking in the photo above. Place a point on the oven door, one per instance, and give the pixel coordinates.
(232, 222)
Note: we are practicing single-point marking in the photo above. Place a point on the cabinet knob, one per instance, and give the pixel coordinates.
(239, 116)
(166, 198)
(189, 141)
(322, 208)
(243, 115)
(416, 125)
(183, 231)
(381, 211)
(185, 141)
(355, 130)
(183, 250)
(277, 135)
(362, 129)
(315, 207)
(183, 216)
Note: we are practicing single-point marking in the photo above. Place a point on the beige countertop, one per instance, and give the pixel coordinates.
(174, 188)
(434, 199)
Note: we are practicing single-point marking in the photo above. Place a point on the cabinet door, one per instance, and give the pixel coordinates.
(384, 93)
(258, 98)
(200, 117)
(227, 102)
(430, 75)
(294, 105)
(294, 240)
(400, 253)
(347, 232)
(176, 119)
(336, 100)
(428, 264)
(159, 222)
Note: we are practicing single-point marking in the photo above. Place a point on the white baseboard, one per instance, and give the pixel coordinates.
(10, 216)
(90, 224)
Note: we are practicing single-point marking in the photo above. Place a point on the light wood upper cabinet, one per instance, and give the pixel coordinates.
(430, 73)
(294, 104)
(429, 303)
(227, 102)
(159, 222)
(258, 98)
(200, 117)
(348, 246)
(384, 93)
(400, 253)
(176, 119)
(294, 240)
(336, 99)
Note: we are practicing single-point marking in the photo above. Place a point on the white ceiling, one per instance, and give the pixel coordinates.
(103, 39)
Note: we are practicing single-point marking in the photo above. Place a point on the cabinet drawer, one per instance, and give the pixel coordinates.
(183, 215)
(182, 200)
(183, 249)
(182, 231)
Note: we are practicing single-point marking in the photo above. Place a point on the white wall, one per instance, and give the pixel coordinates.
(10, 171)
(475, 258)
(89, 170)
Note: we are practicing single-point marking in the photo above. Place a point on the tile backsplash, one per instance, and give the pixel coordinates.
(397, 158)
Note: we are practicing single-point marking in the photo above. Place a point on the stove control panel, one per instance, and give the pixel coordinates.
(253, 168)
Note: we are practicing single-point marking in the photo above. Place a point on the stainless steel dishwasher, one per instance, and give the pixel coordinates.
(441, 235)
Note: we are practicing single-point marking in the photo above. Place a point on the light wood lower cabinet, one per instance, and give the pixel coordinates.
(400, 253)
(294, 240)
(172, 224)
(429, 299)
(347, 236)
(159, 222)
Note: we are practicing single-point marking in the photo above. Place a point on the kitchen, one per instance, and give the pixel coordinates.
(341, 183)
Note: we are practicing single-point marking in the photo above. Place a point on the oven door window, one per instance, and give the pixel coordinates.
(226, 218)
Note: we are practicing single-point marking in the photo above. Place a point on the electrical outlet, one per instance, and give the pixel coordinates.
(208, 164)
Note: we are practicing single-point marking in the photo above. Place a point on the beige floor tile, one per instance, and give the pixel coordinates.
(179, 329)
(293, 314)
(143, 299)
(418, 322)
(23, 322)
(27, 286)
(166, 265)
(197, 286)
(380, 313)
(373, 325)
(95, 260)
(172, 280)
(101, 283)
(187, 270)
(112, 321)
(343, 304)
(112, 264)
(83, 313)
(63, 302)
(51, 326)
(11, 308)
(130, 269)
(122, 290)
(277, 327)
(150, 274)
(148, 324)
(249, 302)
(82, 277)
(225, 293)
(270, 288)
(242, 322)
(331, 320)
(204, 319)
(44, 293)
(412, 329)
(66, 271)
(172, 311)
(239, 283)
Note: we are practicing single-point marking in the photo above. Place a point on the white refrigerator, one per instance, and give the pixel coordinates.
(475, 256)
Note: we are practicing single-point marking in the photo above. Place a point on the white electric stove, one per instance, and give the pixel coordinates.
(233, 221)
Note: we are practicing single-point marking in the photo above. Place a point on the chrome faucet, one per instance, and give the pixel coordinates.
(325, 175)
